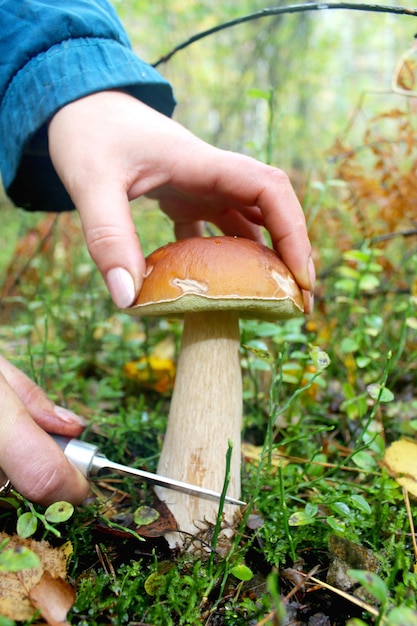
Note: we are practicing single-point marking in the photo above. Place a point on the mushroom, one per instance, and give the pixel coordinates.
(210, 282)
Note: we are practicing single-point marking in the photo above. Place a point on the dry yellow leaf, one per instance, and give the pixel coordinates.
(152, 372)
(15, 587)
(253, 454)
(400, 461)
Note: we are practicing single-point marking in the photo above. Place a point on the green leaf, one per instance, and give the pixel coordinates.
(5, 621)
(155, 584)
(145, 515)
(368, 282)
(360, 503)
(242, 572)
(346, 284)
(400, 616)
(364, 460)
(355, 407)
(411, 322)
(301, 518)
(265, 329)
(349, 273)
(374, 324)
(379, 392)
(26, 525)
(363, 256)
(259, 93)
(311, 509)
(336, 524)
(59, 512)
(124, 529)
(16, 559)
(362, 361)
(11, 501)
(349, 345)
(341, 508)
(319, 357)
(372, 583)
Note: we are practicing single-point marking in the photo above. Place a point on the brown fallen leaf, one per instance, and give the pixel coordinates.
(15, 587)
(53, 597)
(163, 524)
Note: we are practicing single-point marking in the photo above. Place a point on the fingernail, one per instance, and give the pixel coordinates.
(312, 276)
(121, 286)
(308, 302)
(68, 416)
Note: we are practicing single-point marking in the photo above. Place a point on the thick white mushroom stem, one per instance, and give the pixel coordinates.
(205, 413)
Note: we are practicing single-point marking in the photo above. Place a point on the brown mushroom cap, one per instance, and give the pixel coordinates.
(218, 273)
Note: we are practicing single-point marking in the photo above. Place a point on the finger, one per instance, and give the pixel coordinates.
(35, 465)
(255, 184)
(234, 224)
(112, 240)
(287, 227)
(52, 418)
(86, 145)
(230, 223)
(185, 230)
(236, 220)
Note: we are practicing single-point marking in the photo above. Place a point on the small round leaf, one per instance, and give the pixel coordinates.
(301, 518)
(18, 558)
(379, 392)
(155, 584)
(59, 512)
(145, 515)
(372, 583)
(26, 525)
(242, 572)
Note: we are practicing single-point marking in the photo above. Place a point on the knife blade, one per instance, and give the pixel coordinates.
(88, 459)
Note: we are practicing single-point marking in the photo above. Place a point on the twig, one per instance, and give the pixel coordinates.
(347, 596)
(7, 288)
(268, 618)
(366, 146)
(105, 561)
(411, 522)
(344, 468)
(273, 614)
(292, 8)
(297, 587)
(372, 241)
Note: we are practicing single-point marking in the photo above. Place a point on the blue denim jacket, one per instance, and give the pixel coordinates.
(51, 53)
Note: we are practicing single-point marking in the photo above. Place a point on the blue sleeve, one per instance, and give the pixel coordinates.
(53, 52)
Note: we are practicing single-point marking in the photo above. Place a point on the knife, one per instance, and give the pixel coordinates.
(88, 459)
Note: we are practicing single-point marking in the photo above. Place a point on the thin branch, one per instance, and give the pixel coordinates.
(412, 232)
(7, 288)
(293, 8)
(410, 521)
(365, 606)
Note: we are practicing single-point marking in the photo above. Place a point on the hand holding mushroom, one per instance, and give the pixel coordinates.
(211, 282)
(109, 148)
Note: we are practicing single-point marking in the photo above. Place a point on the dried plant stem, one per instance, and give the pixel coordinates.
(411, 522)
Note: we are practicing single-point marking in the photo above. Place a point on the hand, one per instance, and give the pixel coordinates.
(35, 465)
(110, 148)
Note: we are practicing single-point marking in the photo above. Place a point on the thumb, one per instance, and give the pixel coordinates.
(29, 457)
(112, 241)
